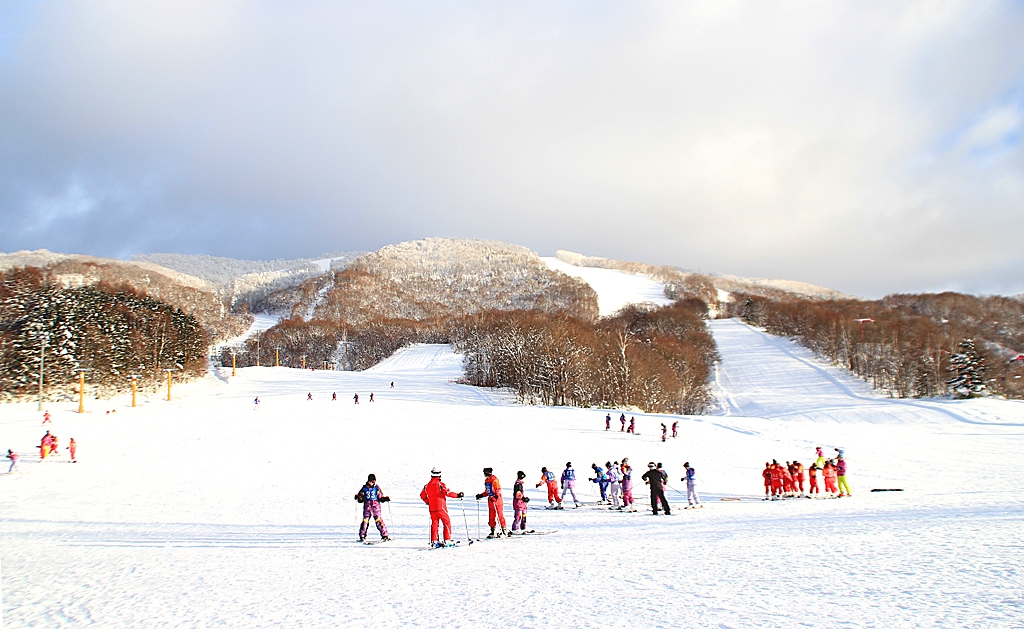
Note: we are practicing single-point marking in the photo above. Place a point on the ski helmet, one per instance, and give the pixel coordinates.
(435, 472)
(371, 477)
(520, 474)
(488, 471)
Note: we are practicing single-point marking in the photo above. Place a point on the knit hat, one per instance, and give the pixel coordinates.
(435, 472)
(488, 471)
(371, 477)
(520, 474)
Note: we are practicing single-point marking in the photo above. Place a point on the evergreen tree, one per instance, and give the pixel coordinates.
(969, 369)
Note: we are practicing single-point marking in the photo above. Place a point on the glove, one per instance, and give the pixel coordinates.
(526, 499)
(385, 499)
(537, 485)
(461, 494)
(479, 496)
(359, 497)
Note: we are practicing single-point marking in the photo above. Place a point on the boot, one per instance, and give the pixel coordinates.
(491, 535)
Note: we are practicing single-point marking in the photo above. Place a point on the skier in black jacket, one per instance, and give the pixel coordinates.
(654, 478)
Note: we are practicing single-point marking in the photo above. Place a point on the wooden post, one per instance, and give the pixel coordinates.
(135, 390)
(168, 385)
(81, 391)
(277, 356)
(303, 361)
(234, 371)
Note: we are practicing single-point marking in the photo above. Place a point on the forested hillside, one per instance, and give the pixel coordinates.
(905, 345)
(109, 331)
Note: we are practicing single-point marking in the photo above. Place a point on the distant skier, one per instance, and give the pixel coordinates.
(615, 485)
(435, 494)
(675, 429)
(608, 421)
(654, 478)
(495, 503)
(664, 432)
(632, 426)
(569, 483)
(370, 495)
(627, 485)
(519, 500)
(547, 477)
(44, 445)
(334, 396)
(309, 397)
(356, 398)
(53, 446)
(692, 499)
(622, 421)
(844, 487)
(371, 397)
(73, 448)
(14, 457)
(46, 418)
(392, 385)
(256, 404)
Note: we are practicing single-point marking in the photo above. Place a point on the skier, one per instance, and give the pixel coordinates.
(309, 397)
(435, 494)
(812, 477)
(664, 474)
(692, 498)
(356, 398)
(675, 429)
(334, 396)
(392, 385)
(787, 480)
(519, 500)
(829, 474)
(72, 448)
(632, 426)
(569, 483)
(664, 432)
(13, 456)
(53, 446)
(608, 421)
(766, 473)
(495, 505)
(622, 420)
(776, 480)
(44, 445)
(654, 478)
(841, 475)
(256, 404)
(601, 479)
(798, 477)
(46, 418)
(370, 495)
(627, 485)
(371, 397)
(548, 478)
(820, 461)
(615, 482)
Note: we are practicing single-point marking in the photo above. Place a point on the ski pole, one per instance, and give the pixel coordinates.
(478, 518)
(465, 520)
(391, 518)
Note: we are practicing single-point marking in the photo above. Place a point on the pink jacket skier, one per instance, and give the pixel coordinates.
(13, 456)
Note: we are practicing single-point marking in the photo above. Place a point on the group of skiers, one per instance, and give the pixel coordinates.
(632, 426)
(787, 481)
(48, 447)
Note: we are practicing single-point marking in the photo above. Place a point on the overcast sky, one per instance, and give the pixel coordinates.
(870, 147)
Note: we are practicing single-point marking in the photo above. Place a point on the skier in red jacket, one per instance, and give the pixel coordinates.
(766, 473)
(495, 504)
(548, 478)
(776, 480)
(435, 494)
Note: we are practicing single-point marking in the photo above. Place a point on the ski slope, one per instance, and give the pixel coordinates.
(615, 289)
(202, 512)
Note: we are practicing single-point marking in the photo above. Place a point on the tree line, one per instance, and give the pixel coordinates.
(904, 345)
(109, 331)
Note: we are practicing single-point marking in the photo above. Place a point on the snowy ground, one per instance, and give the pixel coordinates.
(615, 289)
(202, 512)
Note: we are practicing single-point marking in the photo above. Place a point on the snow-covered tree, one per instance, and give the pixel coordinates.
(969, 368)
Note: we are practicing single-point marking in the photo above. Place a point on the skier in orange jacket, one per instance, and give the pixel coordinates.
(435, 494)
(548, 478)
(495, 504)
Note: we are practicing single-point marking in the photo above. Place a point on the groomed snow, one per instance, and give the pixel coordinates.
(202, 512)
(615, 289)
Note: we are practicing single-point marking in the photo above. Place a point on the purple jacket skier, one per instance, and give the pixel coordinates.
(371, 496)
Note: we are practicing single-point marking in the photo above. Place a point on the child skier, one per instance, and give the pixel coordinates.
(829, 474)
(548, 478)
(691, 487)
(627, 485)
(371, 397)
(334, 396)
(615, 483)
(766, 473)
(608, 421)
(44, 445)
(622, 421)
(844, 487)
(13, 456)
(53, 445)
(601, 479)
(495, 504)
(664, 432)
(798, 477)
(812, 477)
(356, 398)
(569, 483)
(46, 418)
(675, 429)
(370, 495)
(787, 480)
(256, 403)
(519, 500)
(632, 426)
(72, 448)
(435, 495)
(776, 472)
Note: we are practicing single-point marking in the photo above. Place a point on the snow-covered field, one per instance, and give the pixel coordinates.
(615, 289)
(203, 512)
